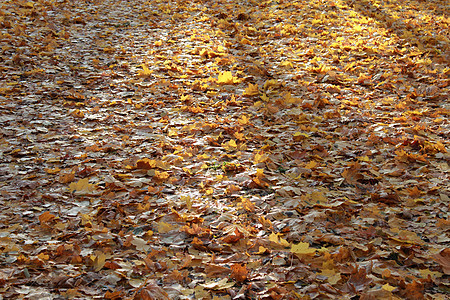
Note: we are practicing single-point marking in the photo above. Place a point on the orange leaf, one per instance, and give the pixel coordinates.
(239, 272)
(46, 217)
(66, 178)
(233, 238)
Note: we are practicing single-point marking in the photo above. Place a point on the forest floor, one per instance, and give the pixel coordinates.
(224, 149)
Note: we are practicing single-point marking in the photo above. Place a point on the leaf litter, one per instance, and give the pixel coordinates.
(224, 150)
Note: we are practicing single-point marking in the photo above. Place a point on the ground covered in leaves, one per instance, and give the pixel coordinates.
(224, 149)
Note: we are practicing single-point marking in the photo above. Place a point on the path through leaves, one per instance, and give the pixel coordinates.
(224, 149)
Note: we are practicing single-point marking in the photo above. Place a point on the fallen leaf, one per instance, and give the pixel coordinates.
(302, 249)
(82, 186)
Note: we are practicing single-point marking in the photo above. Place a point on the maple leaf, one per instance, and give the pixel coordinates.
(227, 78)
(161, 175)
(275, 237)
(260, 157)
(302, 249)
(82, 186)
(243, 120)
(230, 145)
(164, 227)
(271, 84)
(251, 90)
(332, 276)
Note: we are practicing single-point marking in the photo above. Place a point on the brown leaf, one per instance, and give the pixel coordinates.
(146, 164)
(413, 291)
(443, 258)
(151, 291)
(358, 280)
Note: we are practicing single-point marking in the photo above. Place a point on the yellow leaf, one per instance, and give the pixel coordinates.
(145, 72)
(239, 136)
(388, 287)
(284, 242)
(164, 227)
(311, 165)
(259, 158)
(289, 99)
(300, 136)
(264, 98)
(260, 173)
(271, 84)
(318, 197)
(53, 171)
(85, 219)
(331, 275)
(203, 156)
(82, 186)
(247, 204)
(245, 41)
(225, 78)
(173, 132)
(230, 145)
(302, 249)
(43, 256)
(287, 64)
(275, 237)
(434, 274)
(243, 120)
(99, 260)
(261, 250)
(364, 158)
(163, 165)
(161, 175)
(251, 90)
(188, 201)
